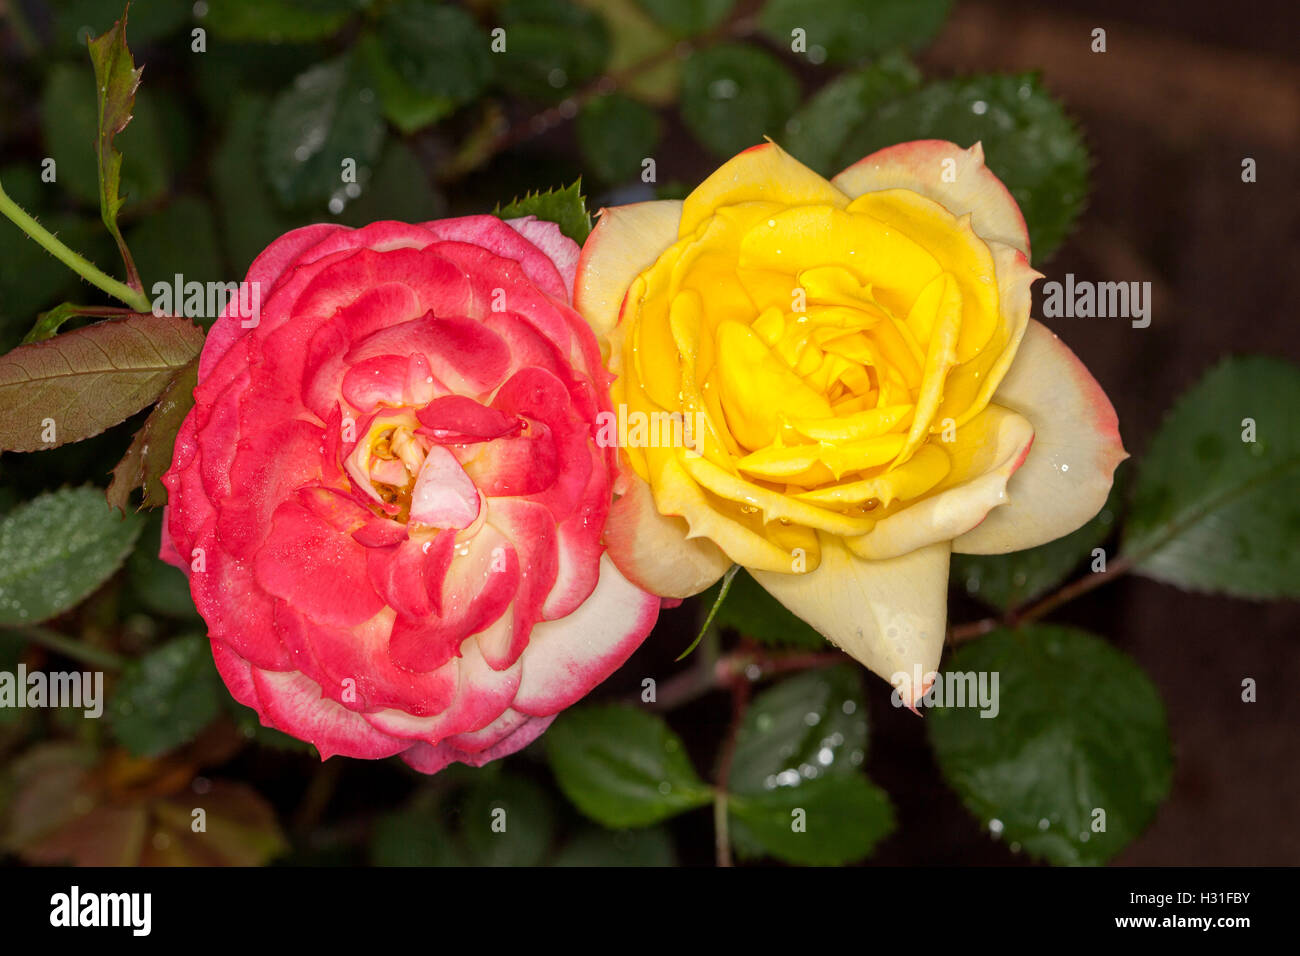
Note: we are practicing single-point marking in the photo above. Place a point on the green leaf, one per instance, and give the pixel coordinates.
(1079, 728)
(622, 767)
(247, 212)
(56, 549)
(733, 95)
(634, 40)
(77, 384)
(166, 697)
(565, 207)
(507, 821)
(803, 728)
(150, 452)
(652, 846)
(1029, 143)
(1005, 581)
(1214, 512)
(552, 46)
(116, 79)
(48, 323)
(179, 239)
(69, 118)
(277, 21)
(399, 189)
(816, 134)
(327, 116)
(616, 135)
(751, 611)
(414, 837)
(828, 821)
(688, 18)
(404, 106)
(437, 49)
(850, 31)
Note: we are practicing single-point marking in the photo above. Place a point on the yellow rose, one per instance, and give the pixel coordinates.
(858, 380)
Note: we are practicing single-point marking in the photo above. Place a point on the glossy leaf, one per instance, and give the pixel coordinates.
(850, 31)
(616, 135)
(1029, 143)
(1079, 741)
(835, 819)
(1214, 511)
(57, 549)
(733, 95)
(150, 453)
(622, 767)
(166, 697)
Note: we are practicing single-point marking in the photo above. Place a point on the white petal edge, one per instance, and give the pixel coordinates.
(922, 167)
(1068, 473)
(565, 659)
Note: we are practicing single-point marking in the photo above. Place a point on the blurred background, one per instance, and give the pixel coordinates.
(1130, 161)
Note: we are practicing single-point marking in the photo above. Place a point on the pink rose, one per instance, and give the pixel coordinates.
(389, 496)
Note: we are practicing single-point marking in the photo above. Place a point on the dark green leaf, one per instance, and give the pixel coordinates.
(834, 819)
(437, 49)
(160, 587)
(414, 837)
(404, 106)
(652, 846)
(57, 549)
(249, 218)
(565, 207)
(1029, 143)
(1005, 581)
(150, 452)
(816, 134)
(688, 18)
(277, 21)
(77, 384)
(329, 115)
(116, 79)
(805, 727)
(751, 611)
(733, 95)
(616, 135)
(850, 31)
(1078, 729)
(622, 767)
(506, 821)
(1215, 512)
(76, 21)
(399, 189)
(552, 46)
(166, 697)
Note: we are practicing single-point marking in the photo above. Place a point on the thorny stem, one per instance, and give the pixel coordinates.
(135, 298)
(1017, 616)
